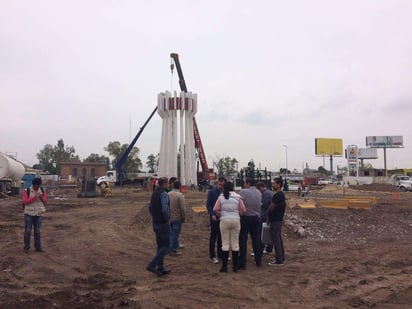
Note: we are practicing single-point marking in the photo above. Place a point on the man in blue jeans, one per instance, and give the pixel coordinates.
(177, 216)
(34, 200)
(159, 209)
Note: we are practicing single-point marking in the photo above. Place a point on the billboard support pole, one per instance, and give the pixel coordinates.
(331, 165)
(384, 161)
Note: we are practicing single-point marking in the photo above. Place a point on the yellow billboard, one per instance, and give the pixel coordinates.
(328, 146)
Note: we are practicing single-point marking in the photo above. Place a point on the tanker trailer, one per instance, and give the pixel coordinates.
(11, 174)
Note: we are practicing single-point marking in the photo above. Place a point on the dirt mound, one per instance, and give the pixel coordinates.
(384, 187)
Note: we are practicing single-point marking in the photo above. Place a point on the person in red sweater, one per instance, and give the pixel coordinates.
(34, 201)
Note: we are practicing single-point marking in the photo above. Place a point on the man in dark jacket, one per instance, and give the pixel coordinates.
(275, 215)
(159, 209)
(212, 196)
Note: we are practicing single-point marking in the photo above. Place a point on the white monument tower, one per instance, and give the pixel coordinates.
(177, 136)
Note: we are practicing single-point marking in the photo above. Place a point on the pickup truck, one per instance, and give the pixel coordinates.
(402, 182)
(324, 181)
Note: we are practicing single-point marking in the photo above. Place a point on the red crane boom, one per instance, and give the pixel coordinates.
(198, 142)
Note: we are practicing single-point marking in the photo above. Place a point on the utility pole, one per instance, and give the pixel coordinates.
(286, 150)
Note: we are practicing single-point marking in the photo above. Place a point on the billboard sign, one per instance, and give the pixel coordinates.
(328, 146)
(352, 154)
(384, 141)
(367, 153)
(353, 170)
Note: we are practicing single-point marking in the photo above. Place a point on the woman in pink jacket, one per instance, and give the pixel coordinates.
(34, 200)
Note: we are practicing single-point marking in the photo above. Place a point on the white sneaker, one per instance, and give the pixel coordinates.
(274, 263)
(252, 254)
(214, 260)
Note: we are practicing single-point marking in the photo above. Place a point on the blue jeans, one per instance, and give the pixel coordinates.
(176, 228)
(162, 232)
(30, 221)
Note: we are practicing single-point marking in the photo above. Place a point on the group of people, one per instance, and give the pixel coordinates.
(234, 216)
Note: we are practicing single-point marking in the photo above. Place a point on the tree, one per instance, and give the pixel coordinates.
(62, 154)
(152, 162)
(96, 158)
(132, 164)
(322, 170)
(226, 166)
(50, 157)
(45, 157)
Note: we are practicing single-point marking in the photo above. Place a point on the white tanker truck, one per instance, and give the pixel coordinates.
(11, 175)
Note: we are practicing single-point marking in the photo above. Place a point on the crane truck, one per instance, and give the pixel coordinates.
(121, 176)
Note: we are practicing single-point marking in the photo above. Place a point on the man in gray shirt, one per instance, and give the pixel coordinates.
(250, 223)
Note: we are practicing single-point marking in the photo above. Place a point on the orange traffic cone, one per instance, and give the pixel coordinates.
(395, 196)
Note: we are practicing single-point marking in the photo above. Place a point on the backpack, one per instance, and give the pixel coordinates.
(28, 194)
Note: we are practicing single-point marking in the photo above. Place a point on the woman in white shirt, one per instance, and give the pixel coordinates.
(229, 207)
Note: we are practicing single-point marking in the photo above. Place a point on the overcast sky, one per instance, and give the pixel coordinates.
(267, 74)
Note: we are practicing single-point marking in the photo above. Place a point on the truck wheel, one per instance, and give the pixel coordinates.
(403, 189)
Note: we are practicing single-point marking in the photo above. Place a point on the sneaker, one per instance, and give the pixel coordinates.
(181, 246)
(275, 263)
(174, 253)
(153, 270)
(214, 260)
(163, 272)
(252, 254)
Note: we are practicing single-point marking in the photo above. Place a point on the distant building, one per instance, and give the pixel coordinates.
(78, 169)
(401, 171)
(380, 172)
(371, 172)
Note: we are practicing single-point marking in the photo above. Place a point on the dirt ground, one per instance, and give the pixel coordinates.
(97, 250)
